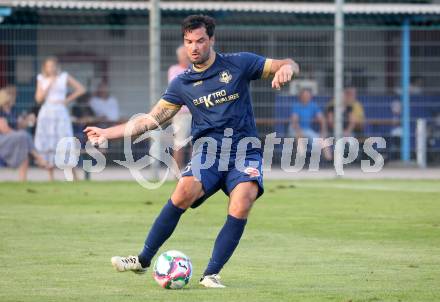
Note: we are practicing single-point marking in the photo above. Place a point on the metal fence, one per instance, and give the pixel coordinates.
(120, 56)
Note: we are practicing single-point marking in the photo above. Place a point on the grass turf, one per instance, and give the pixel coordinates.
(305, 241)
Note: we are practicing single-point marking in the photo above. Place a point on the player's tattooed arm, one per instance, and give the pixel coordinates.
(161, 112)
(283, 71)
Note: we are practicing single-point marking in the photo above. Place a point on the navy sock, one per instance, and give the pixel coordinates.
(161, 230)
(225, 244)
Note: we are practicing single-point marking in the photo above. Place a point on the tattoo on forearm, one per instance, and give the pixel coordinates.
(158, 115)
(162, 114)
(140, 127)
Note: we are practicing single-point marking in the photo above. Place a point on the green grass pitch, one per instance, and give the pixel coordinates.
(305, 241)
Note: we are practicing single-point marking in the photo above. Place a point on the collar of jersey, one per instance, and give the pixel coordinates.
(207, 66)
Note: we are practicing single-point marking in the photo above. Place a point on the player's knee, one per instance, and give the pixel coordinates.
(184, 197)
(240, 213)
(241, 208)
(188, 190)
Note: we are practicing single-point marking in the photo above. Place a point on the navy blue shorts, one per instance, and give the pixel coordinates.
(226, 177)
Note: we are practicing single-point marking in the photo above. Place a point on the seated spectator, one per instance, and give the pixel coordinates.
(82, 112)
(358, 118)
(16, 143)
(105, 106)
(396, 130)
(416, 86)
(434, 137)
(353, 114)
(304, 113)
(27, 119)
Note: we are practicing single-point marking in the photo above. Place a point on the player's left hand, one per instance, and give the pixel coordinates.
(282, 76)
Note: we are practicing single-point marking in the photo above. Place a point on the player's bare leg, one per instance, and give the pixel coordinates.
(241, 200)
(179, 156)
(187, 191)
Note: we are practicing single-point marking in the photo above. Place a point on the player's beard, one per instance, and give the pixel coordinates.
(203, 59)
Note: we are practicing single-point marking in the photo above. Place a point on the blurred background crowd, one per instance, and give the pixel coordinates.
(64, 67)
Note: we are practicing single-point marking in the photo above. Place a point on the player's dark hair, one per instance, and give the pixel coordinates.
(197, 21)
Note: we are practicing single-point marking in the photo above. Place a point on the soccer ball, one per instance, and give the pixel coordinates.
(172, 270)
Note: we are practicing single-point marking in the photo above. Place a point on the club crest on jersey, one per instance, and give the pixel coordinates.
(225, 76)
(252, 172)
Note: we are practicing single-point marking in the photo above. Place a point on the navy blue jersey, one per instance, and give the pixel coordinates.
(218, 96)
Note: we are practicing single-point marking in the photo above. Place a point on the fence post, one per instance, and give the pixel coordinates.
(155, 76)
(338, 74)
(405, 74)
(421, 138)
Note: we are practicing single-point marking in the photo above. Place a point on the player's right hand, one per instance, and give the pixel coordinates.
(282, 76)
(95, 135)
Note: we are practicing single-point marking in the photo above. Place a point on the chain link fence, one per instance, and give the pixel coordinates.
(119, 56)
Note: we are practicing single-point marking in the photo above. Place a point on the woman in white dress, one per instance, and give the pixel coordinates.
(53, 122)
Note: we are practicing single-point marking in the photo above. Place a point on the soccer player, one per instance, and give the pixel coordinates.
(216, 91)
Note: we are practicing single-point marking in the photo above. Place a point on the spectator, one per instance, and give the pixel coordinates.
(416, 86)
(304, 113)
(396, 130)
(27, 119)
(53, 121)
(15, 143)
(353, 114)
(182, 120)
(434, 137)
(105, 106)
(82, 112)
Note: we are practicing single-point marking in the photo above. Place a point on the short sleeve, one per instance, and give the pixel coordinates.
(255, 66)
(172, 94)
